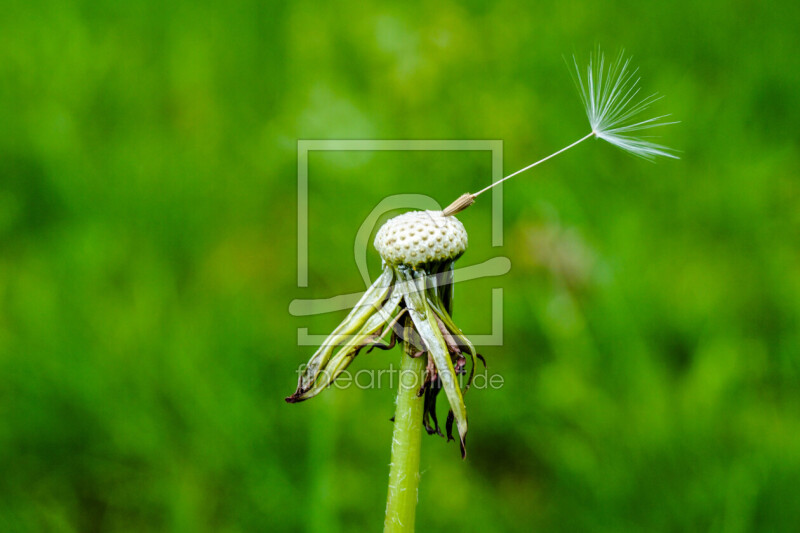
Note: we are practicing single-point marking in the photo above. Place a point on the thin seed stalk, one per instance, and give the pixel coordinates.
(401, 501)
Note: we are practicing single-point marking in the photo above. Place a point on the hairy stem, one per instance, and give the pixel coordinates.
(401, 502)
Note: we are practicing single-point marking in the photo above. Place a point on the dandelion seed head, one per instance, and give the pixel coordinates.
(413, 229)
(610, 95)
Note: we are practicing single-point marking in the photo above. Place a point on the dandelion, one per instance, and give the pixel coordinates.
(411, 302)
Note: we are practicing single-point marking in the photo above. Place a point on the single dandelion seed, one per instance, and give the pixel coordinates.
(610, 95)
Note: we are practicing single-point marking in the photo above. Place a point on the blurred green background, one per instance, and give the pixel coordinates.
(148, 171)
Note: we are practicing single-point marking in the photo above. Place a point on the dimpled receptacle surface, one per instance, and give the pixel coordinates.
(420, 237)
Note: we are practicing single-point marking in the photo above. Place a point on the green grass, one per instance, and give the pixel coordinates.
(148, 258)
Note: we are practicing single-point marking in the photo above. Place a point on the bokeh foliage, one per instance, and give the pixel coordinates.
(147, 229)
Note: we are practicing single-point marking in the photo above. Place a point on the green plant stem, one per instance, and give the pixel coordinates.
(401, 502)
